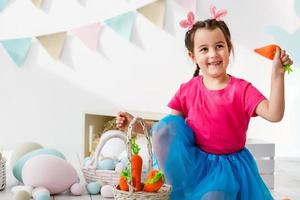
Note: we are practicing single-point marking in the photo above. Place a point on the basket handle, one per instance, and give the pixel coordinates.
(129, 137)
(103, 139)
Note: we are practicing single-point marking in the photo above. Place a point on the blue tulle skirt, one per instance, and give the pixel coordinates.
(197, 175)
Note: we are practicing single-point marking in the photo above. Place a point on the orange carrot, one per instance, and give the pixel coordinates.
(154, 181)
(136, 166)
(124, 177)
(269, 52)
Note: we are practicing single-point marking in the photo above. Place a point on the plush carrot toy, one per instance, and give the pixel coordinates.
(154, 181)
(124, 177)
(136, 166)
(269, 52)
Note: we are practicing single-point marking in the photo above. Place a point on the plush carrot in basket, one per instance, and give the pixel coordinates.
(269, 52)
(154, 181)
(136, 166)
(124, 177)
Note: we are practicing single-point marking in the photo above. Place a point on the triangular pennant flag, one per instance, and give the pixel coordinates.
(17, 49)
(122, 24)
(2, 4)
(88, 35)
(155, 12)
(53, 43)
(189, 5)
(37, 3)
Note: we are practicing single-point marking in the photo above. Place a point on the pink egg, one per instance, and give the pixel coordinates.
(51, 172)
(77, 189)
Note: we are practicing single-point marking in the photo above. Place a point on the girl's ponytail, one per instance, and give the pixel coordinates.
(196, 73)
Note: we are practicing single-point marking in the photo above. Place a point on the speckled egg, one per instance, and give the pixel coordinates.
(51, 172)
(107, 191)
(93, 187)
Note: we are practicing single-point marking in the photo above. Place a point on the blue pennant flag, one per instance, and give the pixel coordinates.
(122, 24)
(2, 4)
(17, 49)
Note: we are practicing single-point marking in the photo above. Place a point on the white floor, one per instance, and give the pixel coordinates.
(287, 182)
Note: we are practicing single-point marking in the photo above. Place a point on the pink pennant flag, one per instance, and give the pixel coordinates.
(188, 5)
(89, 35)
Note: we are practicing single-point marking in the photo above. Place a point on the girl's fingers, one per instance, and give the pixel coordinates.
(282, 54)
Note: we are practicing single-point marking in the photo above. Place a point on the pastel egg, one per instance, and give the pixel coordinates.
(107, 191)
(42, 196)
(21, 150)
(22, 195)
(17, 168)
(49, 171)
(77, 189)
(114, 146)
(93, 187)
(120, 166)
(106, 164)
(40, 193)
(87, 160)
(18, 188)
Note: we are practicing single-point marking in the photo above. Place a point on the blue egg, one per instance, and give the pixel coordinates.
(93, 188)
(42, 196)
(87, 160)
(106, 164)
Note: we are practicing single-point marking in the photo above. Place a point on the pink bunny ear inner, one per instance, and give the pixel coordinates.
(184, 23)
(220, 14)
(213, 10)
(191, 17)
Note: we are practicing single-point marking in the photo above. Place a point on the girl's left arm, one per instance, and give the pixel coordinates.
(273, 109)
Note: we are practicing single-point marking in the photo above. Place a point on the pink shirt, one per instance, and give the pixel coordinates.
(219, 118)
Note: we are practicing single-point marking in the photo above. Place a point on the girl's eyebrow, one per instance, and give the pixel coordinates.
(204, 45)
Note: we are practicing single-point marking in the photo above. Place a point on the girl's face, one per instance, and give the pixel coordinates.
(211, 52)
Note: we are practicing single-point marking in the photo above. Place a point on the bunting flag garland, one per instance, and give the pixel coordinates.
(122, 24)
(2, 4)
(37, 3)
(88, 35)
(17, 49)
(154, 12)
(53, 43)
(188, 5)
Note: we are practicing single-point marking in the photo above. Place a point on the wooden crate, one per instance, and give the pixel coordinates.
(94, 125)
(264, 153)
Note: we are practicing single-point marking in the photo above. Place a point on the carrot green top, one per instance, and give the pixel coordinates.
(135, 147)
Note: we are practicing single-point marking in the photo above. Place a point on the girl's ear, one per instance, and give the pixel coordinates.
(192, 56)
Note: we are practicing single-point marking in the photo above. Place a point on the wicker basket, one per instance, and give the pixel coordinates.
(162, 194)
(2, 173)
(104, 177)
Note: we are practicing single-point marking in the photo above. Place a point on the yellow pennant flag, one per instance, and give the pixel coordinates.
(53, 43)
(155, 12)
(37, 3)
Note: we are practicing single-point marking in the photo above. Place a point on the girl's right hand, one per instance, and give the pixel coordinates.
(123, 119)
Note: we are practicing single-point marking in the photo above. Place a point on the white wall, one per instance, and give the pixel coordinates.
(44, 100)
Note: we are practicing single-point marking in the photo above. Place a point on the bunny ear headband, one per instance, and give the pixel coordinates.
(190, 21)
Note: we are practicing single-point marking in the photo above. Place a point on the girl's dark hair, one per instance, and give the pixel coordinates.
(209, 24)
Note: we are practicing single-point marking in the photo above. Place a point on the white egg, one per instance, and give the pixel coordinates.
(18, 188)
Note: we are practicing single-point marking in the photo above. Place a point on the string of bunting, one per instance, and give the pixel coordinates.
(122, 24)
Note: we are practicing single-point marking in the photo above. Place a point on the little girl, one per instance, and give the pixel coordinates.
(201, 145)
